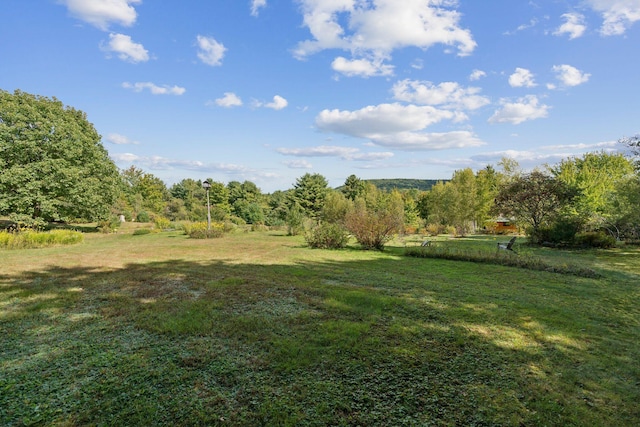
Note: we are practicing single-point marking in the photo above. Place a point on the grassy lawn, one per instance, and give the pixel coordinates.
(256, 329)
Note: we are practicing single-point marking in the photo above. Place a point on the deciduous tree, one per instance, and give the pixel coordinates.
(52, 162)
(534, 199)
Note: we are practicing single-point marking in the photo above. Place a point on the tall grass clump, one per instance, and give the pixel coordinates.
(199, 230)
(39, 239)
(526, 261)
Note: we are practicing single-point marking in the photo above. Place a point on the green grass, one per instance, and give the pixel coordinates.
(257, 329)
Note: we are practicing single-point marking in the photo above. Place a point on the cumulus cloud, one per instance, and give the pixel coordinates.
(396, 125)
(211, 52)
(375, 28)
(527, 108)
(521, 78)
(346, 153)
(447, 94)
(278, 103)
(361, 67)
(117, 139)
(101, 13)
(256, 5)
(570, 76)
(126, 49)
(229, 100)
(154, 89)
(573, 26)
(477, 75)
(618, 15)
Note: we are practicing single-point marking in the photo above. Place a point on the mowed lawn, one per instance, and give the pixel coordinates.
(255, 329)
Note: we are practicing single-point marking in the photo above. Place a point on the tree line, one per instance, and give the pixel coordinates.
(53, 167)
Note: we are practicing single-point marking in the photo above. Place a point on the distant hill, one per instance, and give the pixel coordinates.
(404, 184)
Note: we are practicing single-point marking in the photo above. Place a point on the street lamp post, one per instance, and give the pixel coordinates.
(207, 185)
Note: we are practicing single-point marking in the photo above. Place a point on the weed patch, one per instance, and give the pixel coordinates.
(504, 258)
(39, 239)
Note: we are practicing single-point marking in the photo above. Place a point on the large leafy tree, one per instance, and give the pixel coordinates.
(596, 178)
(52, 163)
(534, 199)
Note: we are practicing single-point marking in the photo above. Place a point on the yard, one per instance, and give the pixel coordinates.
(257, 329)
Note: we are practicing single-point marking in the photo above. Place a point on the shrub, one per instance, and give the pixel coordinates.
(373, 223)
(434, 229)
(143, 216)
(327, 236)
(595, 239)
(162, 223)
(561, 232)
(199, 230)
(26, 222)
(109, 225)
(295, 220)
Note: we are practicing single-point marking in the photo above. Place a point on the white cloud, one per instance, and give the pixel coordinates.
(126, 48)
(298, 164)
(375, 28)
(361, 67)
(618, 15)
(522, 27)
(210, 51)
(524, 109)
(256, 5)
(101, 13)
(154, 89)
(447, 94)
(278, 103)
(477, 75)
(124, 157)
(419, 141)
(526, 159)
(396, 125)
(346, 153)
(570, 76)
(574, 26)
(229, 100)
(380, 119)
(521, 78)
(117, 139)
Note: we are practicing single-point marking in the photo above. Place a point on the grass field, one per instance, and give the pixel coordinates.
(256, 329)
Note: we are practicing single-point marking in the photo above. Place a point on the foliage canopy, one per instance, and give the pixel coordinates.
(52, 163)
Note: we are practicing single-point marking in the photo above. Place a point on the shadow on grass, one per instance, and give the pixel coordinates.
(382, 342)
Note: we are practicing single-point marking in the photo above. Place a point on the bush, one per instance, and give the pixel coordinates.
(162, 223)
(562, 232)
(595, 239)
(109, 225)
(143, 216)
(327, 236)
(199, 230)
(26, 222)
(434, 229)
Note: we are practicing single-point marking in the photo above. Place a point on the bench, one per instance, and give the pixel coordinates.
(508, 246)
(426, 243)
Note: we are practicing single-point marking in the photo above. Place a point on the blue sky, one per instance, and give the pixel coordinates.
(268, 90)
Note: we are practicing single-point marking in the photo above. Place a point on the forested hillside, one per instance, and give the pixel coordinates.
(404, 184)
